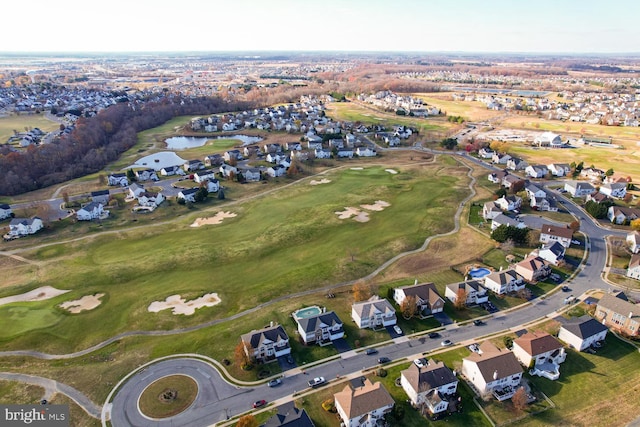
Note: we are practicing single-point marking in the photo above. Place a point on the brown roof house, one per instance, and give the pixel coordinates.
(427, 297)
(533, 269)
(363, 405)
(552, 233)
(616, 312)
(429, 387)
(541, 353)
(494, 371)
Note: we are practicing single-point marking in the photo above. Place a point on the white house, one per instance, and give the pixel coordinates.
(516, 164)
(550, 233)
(228, 170)
(500, 158)
(429, 385)
(213, 186)
(135, 190)
(533, 268)
(583, 332)
(490, 210)
(365, 152)
(266, 344)
(579, 188)
(100, 196)
(509, 203)
(533, 191)
(541, 353)
(559, 169)
(633, 270)
(502, 219)
(427, 298)
(633, 240)
(150, 199)
(473, 291)
(193, 165)
(536, 171)
(276, 171)
(320, 329)
(502, 282)
(189, 194)
(251, 174)
(493, 371)
(363, 406)
(375, 313)
(551, 252)
(621, 214)
(5, 211)
(486, 152)
(93, 210)
(322, 153)
(616, 189)
(118, 179)
(204, 175)
(146, 175)
(345, 153)
(23, 226)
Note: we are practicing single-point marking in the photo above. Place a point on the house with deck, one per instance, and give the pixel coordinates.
(19, 227)
(472, 290)
(428, 300)
(583, 332)
(429, 386)
(374, 313)
(504, 281)
(364, 404)
(533, 269)
(550, 233)
(559, 169)
(91, 211)
(493, 371)
(541, 353)
(617, 190)
(618, 313)
(579, 188)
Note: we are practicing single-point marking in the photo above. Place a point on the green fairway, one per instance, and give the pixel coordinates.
(20, 318)
(287, 240)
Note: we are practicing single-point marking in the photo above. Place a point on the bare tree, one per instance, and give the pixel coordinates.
(361, 291)
(519, 399)
(461, 299)
(247, 421)
(409, 307)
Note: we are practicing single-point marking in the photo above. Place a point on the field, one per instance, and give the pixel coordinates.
(470, 111)
(19, 122)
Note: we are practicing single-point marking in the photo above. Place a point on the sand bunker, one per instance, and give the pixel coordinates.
(391, 171)
(40, 294)
(360, 215)
(216, 219)
(356, 169)
(87, 302)
(322, 181)
(180, 306)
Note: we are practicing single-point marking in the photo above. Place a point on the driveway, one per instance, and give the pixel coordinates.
(341, 345)
(443, 318)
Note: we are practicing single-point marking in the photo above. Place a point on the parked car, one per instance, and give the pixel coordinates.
(274, 383)
(371, 351)
(565, 288)
(397, 329)
(317, 381)
(383, 359)
(478, 322)
(420, 363)
(446, 343)
(433, 335)
(474, 348)
(569, 299)
(259, 403)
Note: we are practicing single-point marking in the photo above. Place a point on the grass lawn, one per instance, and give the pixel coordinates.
(17, 393)
(470, 111)
(18, 122)
(168, 396)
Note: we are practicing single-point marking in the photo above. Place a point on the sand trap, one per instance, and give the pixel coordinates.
(216, 219)
(356, 169)
(322, 181)
(40, 294)
(180, 306)
(362, 217)
(391, 171)
(87, 302)
(347, 213)
(379, 205)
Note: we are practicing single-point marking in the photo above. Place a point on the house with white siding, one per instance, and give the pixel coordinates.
(266, 344)
(374, 313)
(493, 371)
(583, 332)
(363, 405)
(430, 386)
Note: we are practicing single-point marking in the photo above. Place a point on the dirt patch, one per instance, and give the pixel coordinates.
(39, 294)
(391, 171)
(216, 219)
(180, 306)
(87, 302)
(322, 181)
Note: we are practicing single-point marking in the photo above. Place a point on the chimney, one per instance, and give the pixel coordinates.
(271, 324)
(630, 314)
(495, 375)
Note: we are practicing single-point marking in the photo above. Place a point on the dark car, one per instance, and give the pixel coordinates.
(433, 335)
(565, 288)
(383, 360)
(371, 351)
(478, 322)
(274, 383)
(259, 403)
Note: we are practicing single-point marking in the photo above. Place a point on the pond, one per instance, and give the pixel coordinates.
(159, 160)
(184, 142)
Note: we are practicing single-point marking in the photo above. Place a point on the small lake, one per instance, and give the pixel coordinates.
(159, 160)
(184, 142)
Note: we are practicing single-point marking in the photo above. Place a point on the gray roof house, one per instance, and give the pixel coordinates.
(320, 329)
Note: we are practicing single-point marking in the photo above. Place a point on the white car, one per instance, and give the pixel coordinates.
(397, 329)
(421, 363)
(317, 381)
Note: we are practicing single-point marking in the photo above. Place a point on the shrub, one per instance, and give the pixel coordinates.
(328, 405)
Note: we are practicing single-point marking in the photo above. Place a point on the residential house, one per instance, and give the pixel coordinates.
(551, 252)
(146, 175)
(193, 165)
(583, 332)
(550, 233)
(276, 171)
(171, 170)
(250, 150)
(579, 188)
(516, 164)
(232, 155)
(100, 196)
(188, 195)
(320, 329)
(293, 146)
(345, 153)
(272, 148)
(213, 185)
(547, 139)
(592, 174)
(490, 210)
(633, 240)
(502, 219)
(24, 226)
(289, 416)
(427, 298)
(5, 211)
(363, 406)
(504, 281)
(322, 153)
(616, 190)
(486, 153)
(274, 157)
(509, 203)
(431, 385)
(365, 152)
(536, 171)
(621, 214)
(118, 179)
(204, 175)
(493, 371)
(314, 142)
(559, 169)
(213, 160)
(598, 197)
(375, 313)
(497, 177)
(534, 192)
(300, 155)
(472, 290)
(135, 190)
(618, 313)
(251, 174)
(633, 270)
(90, 211)
(228, 171)
(533, 269)
(511, 181)
(500, 158)
(543, 204)
(541, 353)
(150, 199)
(266, 344)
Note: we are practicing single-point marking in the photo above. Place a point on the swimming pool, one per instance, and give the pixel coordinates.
(303, 313)
(479, 273)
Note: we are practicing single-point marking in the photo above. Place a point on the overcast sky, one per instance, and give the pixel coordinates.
(573, 26)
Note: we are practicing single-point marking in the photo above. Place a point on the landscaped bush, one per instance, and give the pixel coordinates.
(329, 406)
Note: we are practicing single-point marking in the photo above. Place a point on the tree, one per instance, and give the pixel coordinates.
(65, 198)
(609, 172)
(247, 421)
(241, 355)
(575, 226)
(461, 299)
(449, 143)
(596, 210)
(201, 194)
(635, 224)
(131, 175)
(221, 194)
(409, 307)
(501, 192)
(519, 399)
(361, 291)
